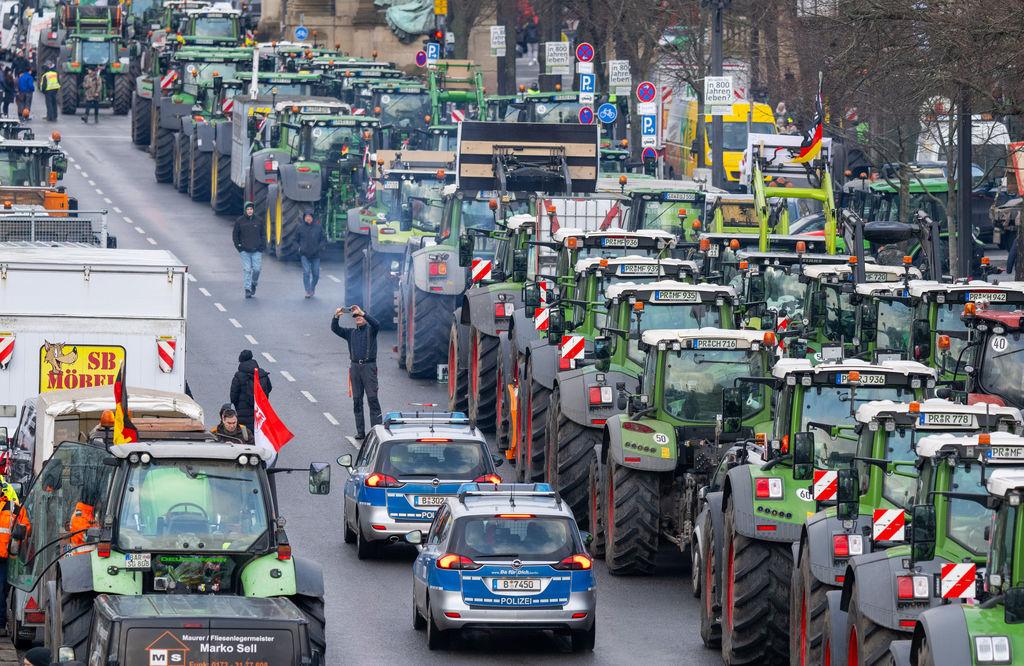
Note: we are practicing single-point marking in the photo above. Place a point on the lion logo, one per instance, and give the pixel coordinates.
(55, 356)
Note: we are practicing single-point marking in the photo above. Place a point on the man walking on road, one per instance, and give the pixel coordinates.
(249, 241)
(26, 88)
(51, 88)
(93, 86)
(362, 352)
(311, 243)
(242, 388)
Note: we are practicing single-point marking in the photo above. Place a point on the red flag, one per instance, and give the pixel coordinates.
(270, 431)
(124, 429)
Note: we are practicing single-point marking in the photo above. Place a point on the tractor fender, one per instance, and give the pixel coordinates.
(949, 639)
(186, 126)
(462, 331)
(258, 170)
(543, 362)
(76, 573)
(309, 577)
(222, 138)
(899, 653)
(739, 483)
(838, 638)
(642, 448)
(714, 508)
(874, 576)
(816, 543)
(506, 360)
(170, 113)
(522, 331)
(478, 306)
(355, 222)
(454, 281)
(205, 136)
(300, 186)
(573, 400)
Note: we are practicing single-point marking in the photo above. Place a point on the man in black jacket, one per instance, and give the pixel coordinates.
(311, 243)
(362, 352)
(249, 241)
(242, 388)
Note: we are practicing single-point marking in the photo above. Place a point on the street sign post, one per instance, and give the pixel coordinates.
(718, 95)
(421, 59)
(607, 113)
(586, 115)
(584, 52)
(587, 86)
(498, 41)
(301, 33)
(433, 52)
(557, 58)
(620, 81)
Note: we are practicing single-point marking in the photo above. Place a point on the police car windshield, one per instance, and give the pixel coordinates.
(694, 380)
(828, 406)
(443, 460)
(539, 538)
(1002, 373)
(206, 505)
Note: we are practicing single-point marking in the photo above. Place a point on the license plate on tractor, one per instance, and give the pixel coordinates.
(516, 585)
(1007, 452)
(138, 561)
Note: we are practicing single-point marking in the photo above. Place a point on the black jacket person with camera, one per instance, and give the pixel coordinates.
(362, 351)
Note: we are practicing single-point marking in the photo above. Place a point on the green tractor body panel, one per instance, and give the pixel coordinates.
(121, 581)
(267, 576)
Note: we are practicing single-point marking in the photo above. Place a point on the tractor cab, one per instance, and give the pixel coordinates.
(677, 207)
(404, 111)
(997, 337)
(770, 287)
(211, 26)
(31, 163)
(717, 252)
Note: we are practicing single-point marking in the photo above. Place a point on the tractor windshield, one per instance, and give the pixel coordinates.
(738, 214)
(191, 505)
(17, 168)
(425, 204)
(97, 53)
(663, 215)
(405, 110)
(893, 325)
(783, 291)
(967, 520)
(656, 316)
(1002, 372)
(827, 413)
(695, 379)
(336, 143)
(557, 112)
(840, 315)
(1003, 540)
(214, 26)
(949, 322)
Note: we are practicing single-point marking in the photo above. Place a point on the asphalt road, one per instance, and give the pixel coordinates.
(654, 619)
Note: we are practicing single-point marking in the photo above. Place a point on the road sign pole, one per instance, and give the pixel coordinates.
(717, 170)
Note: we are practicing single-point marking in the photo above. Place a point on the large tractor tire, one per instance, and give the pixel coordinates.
(502, 411)
(755, 613)
(68, 94)
(291, 218)
(534, 401)
(869, 642)
(225, 196)
(355, 258)
(141, 110)
(45, 54)
(163, 155)
(631, 509)
(200, 167)
(710, 598)
(458, 373)
(76, 616)
(568, 450)
(313, 609)
(483, 380)
(261, 207)
(123, 89)
(807, 608)
(425, 325)
(595, 507)
(378, 295)
(182, 159)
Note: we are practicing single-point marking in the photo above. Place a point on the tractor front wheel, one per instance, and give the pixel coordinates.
(164, 158)
(76, 614)
(291, 218)
(140, 120)
(355, 258)
(631, 510)
(122, 94)
(483, 382)
(68, 94)
(425, 324)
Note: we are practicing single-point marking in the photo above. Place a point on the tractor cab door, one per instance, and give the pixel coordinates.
(77, 476)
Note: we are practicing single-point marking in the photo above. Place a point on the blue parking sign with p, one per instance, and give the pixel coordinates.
(433, 52)
(587, 83)
(648, 126)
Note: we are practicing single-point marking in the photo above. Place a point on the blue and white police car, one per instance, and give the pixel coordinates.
(506, 556)
(406, 468)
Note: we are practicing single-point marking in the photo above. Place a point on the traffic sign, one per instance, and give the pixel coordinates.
(718, 95)
(586, 115)
(421, 59)
(587, 84)
(433, 52)
(648, 126)
(620, 80)
(649, 154)
(301, 33)
(646, 91)
(607, 113)
(584, 52)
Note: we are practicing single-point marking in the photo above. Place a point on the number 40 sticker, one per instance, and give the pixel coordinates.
(999, 343)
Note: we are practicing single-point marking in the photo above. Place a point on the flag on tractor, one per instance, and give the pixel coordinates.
(270, 431)
(811, 145)
(124, 429)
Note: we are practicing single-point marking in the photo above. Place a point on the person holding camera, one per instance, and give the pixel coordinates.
(362, 352)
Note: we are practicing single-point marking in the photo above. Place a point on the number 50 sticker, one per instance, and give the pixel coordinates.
(660, 438)
(999, 343)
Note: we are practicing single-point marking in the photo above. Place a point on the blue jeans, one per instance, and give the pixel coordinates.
(252, 262)
(310, 273)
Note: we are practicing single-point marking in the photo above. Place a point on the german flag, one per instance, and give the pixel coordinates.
(124, 429)
(811, 145)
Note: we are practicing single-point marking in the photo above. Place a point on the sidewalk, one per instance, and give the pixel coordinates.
(8, 655)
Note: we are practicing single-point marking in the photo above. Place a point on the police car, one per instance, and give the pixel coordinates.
(405, 469)
(504, 557)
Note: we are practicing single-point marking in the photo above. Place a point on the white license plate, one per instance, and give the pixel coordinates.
(620, 242)
(876, 277)
(714, 344)
(639, 269)
(138, 561)
(990, 296)
(1007, 452)
(865, 380)
(677, 296)
(941, 419)
(430, 500)
(516, 585)
(713, 251)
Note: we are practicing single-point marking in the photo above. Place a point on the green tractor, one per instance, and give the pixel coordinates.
(84, 52)
(212, 26)
(78, 18)
(190, 516)
(988, 633)
(996, 337)
(887, 467)
(678, 207)
(770, 287)
(949, 530)
(717, 252)
(405, 113)
(755, 508)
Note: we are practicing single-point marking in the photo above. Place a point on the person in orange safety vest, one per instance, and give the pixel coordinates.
(82, 518)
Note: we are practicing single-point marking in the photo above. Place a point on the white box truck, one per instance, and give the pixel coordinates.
(70, 316)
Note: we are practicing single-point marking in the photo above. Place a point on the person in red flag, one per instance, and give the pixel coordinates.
(124, 430)
(811, 145)
(269, 432)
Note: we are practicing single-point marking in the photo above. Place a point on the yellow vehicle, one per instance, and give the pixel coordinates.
(681, 136)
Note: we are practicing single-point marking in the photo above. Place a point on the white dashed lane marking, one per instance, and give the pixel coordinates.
(140, 230)
(220, 307)
(252, 340)
(234, 322)
(330, 418)
(150, 241)
(270, 359)
(191, 278)
(332, 278)
(202, 290)
(308, 396)
(287, 375)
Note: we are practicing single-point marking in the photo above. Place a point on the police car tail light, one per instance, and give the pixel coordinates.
(600, 395)
(378, 480)
(577, 562)
(768, 488)
(845, 545)
(456, 562)
(437, 269)
(911, 587)
(992, 649)
(488, 478)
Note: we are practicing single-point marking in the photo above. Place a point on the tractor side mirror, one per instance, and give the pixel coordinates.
(847, 494)
(531, 298)
(519, 265)
(922, 532)
(868, 320)
(345, 461)
(755, 287)
(319, 478)
(556, 326)
(602, 348)
(622, 398)
(803, 456)
(921, 339)
(638, 403)
(1013, 605)
(275, 135)
(465, 250)
(732, 410)
(5, 442)
(60, 166)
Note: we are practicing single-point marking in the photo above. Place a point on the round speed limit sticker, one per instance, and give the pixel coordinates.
(317, 131)
(999, 343)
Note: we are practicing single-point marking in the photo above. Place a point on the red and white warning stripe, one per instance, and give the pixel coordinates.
(6, 349)
(261, 123)
(371, 191)
(572, 347)
(165, 348)
(540, 319)
(480, 269)
(226, 105)
(543, 285)
(888, 525)
(958, 581)
(826, 483)
(168, 80)
(458, 116)
(358, 112)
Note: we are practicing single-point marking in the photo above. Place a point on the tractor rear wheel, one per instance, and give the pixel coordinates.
(595, 507)
(869, 639)
(140, 120)
(807, 607)
(425, 325)
(291, 218)
(483, 382)
(76, 615)
(379, 288)
(710, 600)
(182, 159)
(569, 448)
(355, 258)
(199, 169)
(68, 93)
(534, 413)
(458, 373)
(313, 609)
(631, 509)
(225, 196)
(164, 155)
(123, 89)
